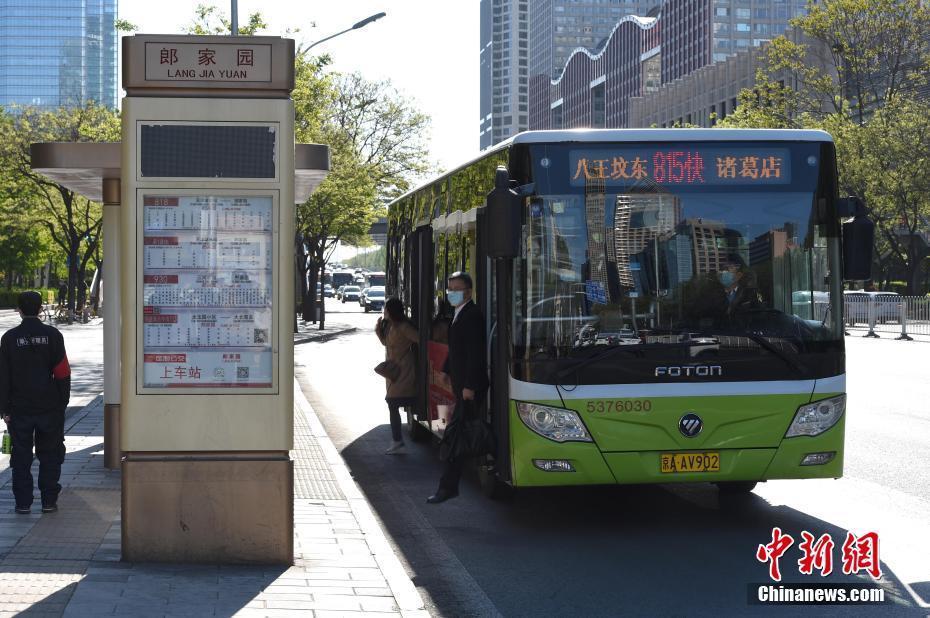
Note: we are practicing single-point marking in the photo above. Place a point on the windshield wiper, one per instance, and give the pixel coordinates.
(765, 344)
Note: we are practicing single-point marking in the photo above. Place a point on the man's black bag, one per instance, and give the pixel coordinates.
(468, 435)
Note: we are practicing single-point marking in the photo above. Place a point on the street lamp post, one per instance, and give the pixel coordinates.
(358, 25)
(234, 23)
(321, 314)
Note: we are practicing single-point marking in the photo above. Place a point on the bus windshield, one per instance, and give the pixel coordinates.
(644, 264)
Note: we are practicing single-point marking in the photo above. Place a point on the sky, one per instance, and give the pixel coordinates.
(427, 48)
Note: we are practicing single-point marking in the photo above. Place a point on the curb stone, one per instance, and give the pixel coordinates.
(405, 593)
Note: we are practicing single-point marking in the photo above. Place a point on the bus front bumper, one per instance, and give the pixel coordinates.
(590, 466)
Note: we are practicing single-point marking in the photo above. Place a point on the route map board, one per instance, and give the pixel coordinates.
(207, 291)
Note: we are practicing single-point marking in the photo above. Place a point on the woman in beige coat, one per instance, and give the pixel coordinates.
(400, 339)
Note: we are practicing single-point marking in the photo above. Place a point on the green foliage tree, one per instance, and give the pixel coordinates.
(855, 72)
(210, 20)
(888, 158)
(72, 222)
(372, 260)
(846, 57)
(377, 141)
(123, 25)
(21, 251)
(340, 210)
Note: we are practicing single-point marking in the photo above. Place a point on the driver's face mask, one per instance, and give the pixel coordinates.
(726, 278)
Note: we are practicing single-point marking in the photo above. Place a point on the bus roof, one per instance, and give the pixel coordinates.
(663, 135)
(568, 136)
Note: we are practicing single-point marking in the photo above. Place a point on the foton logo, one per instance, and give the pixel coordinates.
(687, 371)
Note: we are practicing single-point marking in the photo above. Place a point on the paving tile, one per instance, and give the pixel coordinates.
(378, 604)
(332, 614)
(331, 603)
(69, 563)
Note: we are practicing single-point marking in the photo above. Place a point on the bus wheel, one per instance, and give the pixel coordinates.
(735, 488)
(418, 433)
(491, 485)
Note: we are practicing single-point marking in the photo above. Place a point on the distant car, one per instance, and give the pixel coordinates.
(886, 306)
(374, 299)
(351, 292)
(328, 291)
(340, 291)
(361, 297)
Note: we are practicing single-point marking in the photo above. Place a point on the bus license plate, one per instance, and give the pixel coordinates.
(689, 462)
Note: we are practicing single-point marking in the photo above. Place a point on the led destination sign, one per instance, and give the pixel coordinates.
(680, 165)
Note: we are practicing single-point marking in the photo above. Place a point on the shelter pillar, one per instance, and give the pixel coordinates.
(112, 454)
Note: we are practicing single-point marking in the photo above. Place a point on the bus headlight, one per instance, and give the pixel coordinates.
(817, 417)
(556, 424)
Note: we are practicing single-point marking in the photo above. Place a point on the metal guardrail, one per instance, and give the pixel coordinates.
(904, 316)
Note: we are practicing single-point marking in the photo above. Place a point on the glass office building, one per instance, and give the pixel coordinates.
(57, 53)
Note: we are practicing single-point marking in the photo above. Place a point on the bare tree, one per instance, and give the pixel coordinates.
(387, 133)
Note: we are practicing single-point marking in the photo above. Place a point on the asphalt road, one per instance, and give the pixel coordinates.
(655, 550)
(648, 550)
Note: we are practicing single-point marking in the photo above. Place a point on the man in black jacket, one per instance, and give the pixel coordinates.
(35, 386)
(467, 367)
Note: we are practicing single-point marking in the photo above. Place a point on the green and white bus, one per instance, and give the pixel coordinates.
(663, 306)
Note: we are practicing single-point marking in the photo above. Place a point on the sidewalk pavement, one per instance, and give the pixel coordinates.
(308, 331)
(68, 563)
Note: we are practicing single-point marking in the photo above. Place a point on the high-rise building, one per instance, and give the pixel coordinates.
(594, 90)
(520, 39)
(58, 53)
(646, 53)
(710, 243)
(640, 219)
(558, 28)
(594, 207)
(504, 70)
(696, 33)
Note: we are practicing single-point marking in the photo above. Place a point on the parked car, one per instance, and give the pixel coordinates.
(886, 306)
(374, 299)
(351, 292)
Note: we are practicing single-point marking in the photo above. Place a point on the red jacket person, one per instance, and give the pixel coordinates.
(35, 386)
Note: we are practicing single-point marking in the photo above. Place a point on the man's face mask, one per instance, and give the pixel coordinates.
(455, 297)
(726, 278)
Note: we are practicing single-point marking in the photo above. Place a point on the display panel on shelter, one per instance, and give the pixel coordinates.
(207, 294)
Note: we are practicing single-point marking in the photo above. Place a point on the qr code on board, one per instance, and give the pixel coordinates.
(242, 373)
(261, 335)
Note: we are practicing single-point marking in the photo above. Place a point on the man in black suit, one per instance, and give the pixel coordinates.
(467, 368)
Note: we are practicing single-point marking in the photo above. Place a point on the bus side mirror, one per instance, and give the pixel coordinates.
(858, 240)
(505, 220)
